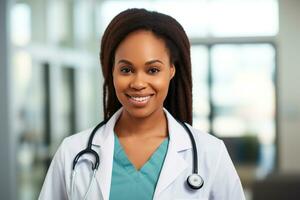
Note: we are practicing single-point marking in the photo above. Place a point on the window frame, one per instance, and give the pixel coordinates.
(208, 43)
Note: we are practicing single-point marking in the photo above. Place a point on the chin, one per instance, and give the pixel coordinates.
(139, 112)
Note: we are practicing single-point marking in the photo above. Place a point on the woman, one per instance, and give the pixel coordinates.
(145, 153)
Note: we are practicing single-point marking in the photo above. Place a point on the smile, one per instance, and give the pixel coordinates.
(139, 100)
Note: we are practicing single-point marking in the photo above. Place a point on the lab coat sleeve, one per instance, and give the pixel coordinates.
(226, 183)
(54, 186)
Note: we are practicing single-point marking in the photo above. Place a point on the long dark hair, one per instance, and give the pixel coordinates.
(179, 98)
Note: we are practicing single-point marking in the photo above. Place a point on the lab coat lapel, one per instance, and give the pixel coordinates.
(174, 163)
(105, 140)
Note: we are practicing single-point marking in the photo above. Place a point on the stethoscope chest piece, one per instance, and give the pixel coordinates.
(195, 181)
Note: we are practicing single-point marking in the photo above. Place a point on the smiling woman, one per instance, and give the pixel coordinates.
(142, 72)
(174, 45)
(145, 147)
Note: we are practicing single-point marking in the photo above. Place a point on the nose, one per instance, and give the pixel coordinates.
(138, 82)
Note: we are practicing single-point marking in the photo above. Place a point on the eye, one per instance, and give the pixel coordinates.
(125, 70)
(153, 70)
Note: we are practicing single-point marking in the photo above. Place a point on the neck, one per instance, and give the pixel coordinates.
(154, 125)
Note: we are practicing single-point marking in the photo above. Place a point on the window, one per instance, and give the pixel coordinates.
(234, 98)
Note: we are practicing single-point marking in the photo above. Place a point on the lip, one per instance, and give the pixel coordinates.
(137, 103)
(139, 95)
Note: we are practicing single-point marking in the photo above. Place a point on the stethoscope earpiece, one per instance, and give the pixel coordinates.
(195, 181)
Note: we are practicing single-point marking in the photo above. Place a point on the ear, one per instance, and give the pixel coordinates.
(172, 70)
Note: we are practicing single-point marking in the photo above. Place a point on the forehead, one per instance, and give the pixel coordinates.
(142, 44)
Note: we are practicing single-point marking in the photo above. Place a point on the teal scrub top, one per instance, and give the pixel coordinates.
(129, 183)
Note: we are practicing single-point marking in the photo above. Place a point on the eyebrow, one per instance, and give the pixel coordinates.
(147, 63)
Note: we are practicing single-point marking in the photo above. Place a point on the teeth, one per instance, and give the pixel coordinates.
(140, 99)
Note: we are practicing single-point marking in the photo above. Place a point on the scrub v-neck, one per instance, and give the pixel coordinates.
(129, 183)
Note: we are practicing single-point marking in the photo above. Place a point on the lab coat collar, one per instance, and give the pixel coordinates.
(176, 131)
(177, 134)
(104, 139)
(108, 129)
(173, 165)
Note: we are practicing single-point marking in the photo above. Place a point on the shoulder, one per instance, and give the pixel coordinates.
(217, 166)
(77, 139)
(72, 144)
(211, 150)
(69, 148)
(206, 141)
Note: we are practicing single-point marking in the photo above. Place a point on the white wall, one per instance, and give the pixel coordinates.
(289, 85)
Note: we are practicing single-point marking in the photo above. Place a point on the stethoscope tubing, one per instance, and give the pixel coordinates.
(194, 181)
(194, 147)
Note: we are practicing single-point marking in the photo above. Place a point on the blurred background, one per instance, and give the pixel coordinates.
(246, 74)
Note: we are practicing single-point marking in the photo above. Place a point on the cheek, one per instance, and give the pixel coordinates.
(161, 85)
(119, 82)
(119, 87)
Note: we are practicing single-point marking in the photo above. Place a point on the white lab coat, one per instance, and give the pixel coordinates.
(221, 181)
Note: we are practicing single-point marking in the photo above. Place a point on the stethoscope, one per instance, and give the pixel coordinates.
(194, 181)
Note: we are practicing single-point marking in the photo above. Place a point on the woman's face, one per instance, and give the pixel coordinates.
(141, 73)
